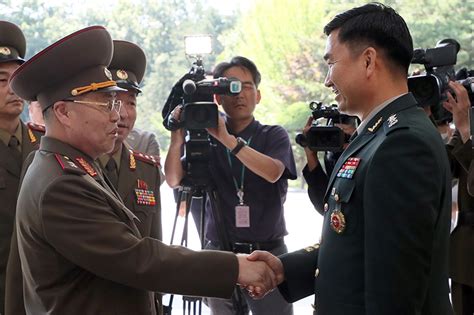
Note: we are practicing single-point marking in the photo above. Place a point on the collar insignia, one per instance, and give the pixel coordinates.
(375, 126)
(392, 120)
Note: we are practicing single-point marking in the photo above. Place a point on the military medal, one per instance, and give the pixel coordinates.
(144, 196)
(348, 169)
(338, 222)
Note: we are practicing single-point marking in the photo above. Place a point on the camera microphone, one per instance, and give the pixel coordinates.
(228, 86)
(189, 87)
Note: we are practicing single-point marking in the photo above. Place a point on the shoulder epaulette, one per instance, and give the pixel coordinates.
(36, 127)
(68, 165)
(150, 159)
(86, 166)
(394, 122)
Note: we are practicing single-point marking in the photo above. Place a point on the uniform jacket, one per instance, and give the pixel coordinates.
(391, 257)
(10, 171)
(140, 170)
(139, 175)
(462, 238)
(82, 252)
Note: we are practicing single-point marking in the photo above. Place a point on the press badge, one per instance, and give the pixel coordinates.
(242, 216)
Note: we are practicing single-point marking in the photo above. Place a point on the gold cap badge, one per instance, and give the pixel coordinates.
(122, 74)
(5, 51)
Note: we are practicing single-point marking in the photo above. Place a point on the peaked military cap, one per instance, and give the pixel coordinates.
(12, 43)
(73, 66)
(128, 65)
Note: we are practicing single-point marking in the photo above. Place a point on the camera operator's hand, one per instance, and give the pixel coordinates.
(458, 104)
(311, 157)
(263, 165)
(221, 133)
(177, 136)
(173, 168)
(348, 129)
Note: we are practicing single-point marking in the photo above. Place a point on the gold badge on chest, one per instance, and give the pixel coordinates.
(338, 221)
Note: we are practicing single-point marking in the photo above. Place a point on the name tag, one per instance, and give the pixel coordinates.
(242, 216)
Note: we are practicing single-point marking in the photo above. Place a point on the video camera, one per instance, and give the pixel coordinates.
(328, 137)
(195, 93)
(430, 88)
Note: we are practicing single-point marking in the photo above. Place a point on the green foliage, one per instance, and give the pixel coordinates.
(158, 27)
(283, 37)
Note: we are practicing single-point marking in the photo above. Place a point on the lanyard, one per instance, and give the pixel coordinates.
(240, 190)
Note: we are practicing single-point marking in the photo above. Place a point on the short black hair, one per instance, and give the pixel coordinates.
(378, 25)
(241, 62)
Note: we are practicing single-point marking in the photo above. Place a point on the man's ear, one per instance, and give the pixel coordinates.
(62, 113)
(259, 96)
(370, 56)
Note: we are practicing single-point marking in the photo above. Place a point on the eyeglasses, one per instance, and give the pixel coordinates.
(109, 106)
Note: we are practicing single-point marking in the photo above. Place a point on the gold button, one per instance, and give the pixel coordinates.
(336, 197)
(326, 207)
(316, 246)
(316, 273)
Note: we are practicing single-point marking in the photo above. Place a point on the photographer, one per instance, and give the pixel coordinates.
(317, 178)
(462, 238)
(249, 165)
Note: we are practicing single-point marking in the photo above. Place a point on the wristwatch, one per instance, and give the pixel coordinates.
(240, 144)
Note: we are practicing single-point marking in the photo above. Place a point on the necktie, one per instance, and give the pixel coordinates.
(111, 172)
(14, 150)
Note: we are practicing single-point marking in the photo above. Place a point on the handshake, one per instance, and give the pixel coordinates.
(259, 273)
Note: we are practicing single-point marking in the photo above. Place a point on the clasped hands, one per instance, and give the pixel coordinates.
(259, 273)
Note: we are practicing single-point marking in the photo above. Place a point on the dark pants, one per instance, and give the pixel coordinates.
(463, 298)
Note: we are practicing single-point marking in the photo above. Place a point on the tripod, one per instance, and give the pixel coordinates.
(204, 192)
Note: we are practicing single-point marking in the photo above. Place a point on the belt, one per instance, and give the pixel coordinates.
(466, 218)
(248, 247)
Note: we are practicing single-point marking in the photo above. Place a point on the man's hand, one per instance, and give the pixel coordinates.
(273, 263)
(459, 106)
(221, 133)
(256, 275)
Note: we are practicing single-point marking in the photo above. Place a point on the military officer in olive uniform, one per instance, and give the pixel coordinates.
(384, 244)
(135, 175)
(17, 139)
(80, 248)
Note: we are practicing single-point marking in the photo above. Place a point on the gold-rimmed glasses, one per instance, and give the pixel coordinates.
(109, 105)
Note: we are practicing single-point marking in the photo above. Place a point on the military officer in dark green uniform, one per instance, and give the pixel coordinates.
(17, 139)
(384, 244)
(80, 248)
(135, 175)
